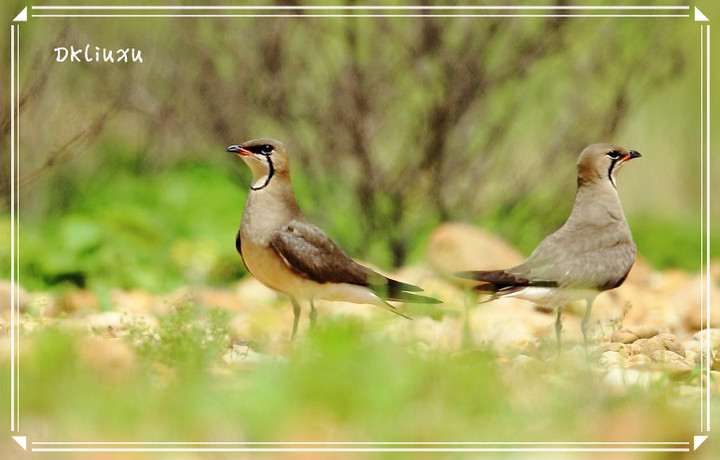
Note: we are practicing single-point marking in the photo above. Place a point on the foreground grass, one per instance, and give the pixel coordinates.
(341, 382)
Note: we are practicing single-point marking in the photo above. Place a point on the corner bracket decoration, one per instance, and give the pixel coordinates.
(699, 16)
(22, 17)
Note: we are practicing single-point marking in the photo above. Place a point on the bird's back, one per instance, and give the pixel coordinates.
(593, 249)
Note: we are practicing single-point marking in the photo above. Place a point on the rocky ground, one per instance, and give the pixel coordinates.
(651, 326)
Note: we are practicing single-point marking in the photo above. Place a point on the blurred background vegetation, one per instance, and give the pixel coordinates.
(394, 124)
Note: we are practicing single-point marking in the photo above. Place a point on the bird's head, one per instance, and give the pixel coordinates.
(600, 162)
(265, 157)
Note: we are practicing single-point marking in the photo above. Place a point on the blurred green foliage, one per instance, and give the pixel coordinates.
(669, 243)
(153, 232)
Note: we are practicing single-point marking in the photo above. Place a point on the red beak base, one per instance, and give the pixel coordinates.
(237, 149)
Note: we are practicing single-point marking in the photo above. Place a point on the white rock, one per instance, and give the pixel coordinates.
(672, 362)
(712, 334)
(621, 379)
(611, 358)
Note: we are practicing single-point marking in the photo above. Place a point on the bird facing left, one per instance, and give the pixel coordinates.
(283, 250)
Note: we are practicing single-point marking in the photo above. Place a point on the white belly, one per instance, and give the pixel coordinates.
(551, 297)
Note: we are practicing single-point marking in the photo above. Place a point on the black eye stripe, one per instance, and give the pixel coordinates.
(613, 155)
(265, 149)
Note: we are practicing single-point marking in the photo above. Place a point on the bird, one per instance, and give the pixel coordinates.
(592, 252)
(285, 251)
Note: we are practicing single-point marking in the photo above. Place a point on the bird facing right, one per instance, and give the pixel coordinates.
(592, 252)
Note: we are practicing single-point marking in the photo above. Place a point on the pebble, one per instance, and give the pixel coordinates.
(220, 298)
(664, 352)
(81, 300)
(133, 301)
(662, 341)
(712, 334)
(619, 379)
(111, 358)
(672, 362)
(630, 335)
(688, 300)
(455, 246)
(611, 358)
(639, 362)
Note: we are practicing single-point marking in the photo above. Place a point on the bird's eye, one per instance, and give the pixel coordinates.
(613, 155)
(267, 149)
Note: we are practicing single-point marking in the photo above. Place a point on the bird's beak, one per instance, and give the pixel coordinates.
(239, 150)
(631, 154)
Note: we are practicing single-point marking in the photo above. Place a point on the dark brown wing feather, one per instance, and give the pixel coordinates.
(496, 280)
(395, 290)
(310, 253)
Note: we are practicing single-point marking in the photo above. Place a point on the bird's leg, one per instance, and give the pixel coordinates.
(296, 318)
(558, 326)
(313, 314)
(588, 307)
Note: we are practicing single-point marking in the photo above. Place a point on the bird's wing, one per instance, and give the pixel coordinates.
(600, 263)
(496, 280)
(310, 253)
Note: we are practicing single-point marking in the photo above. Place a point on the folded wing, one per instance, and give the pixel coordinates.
(310, 253)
